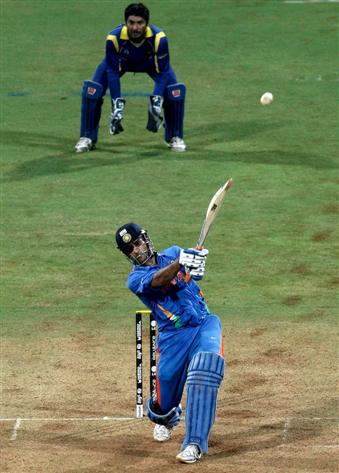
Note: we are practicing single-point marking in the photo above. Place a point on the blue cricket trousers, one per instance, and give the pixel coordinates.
(175, 351)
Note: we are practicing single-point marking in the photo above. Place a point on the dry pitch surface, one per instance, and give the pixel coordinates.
(276, 410)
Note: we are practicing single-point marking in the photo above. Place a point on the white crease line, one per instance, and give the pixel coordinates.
(16, 428)
(61, 419)
(113, 418)
(325, 446)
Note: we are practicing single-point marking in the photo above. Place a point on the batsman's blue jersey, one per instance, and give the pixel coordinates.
(185, 324)
(180, 303)
(151, 56)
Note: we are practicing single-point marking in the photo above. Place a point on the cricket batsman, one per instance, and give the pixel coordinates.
(189, 345)
(139, 47)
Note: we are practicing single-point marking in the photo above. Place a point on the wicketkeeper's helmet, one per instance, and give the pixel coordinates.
(126, 237)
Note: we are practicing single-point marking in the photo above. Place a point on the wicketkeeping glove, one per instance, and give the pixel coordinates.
(154, 113)
(115, 126)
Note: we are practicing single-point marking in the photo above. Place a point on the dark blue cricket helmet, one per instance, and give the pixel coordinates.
(127, 235)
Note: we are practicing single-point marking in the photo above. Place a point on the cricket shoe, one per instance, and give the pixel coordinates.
(190, 454)
(161, 433)
(84, 145)
(177, 144)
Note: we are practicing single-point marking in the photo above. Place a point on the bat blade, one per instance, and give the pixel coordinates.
(212, 211)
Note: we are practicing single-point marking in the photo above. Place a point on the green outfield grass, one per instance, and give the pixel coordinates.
(273, 246)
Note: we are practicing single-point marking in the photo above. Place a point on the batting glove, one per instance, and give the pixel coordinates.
(192, 258)
(154, 113)
(118, 106)
(198, 274)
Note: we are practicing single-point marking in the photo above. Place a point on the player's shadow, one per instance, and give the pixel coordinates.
(62, 158)
(206, 143)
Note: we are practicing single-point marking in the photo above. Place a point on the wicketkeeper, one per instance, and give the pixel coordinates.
(190, 349)
(139, 47)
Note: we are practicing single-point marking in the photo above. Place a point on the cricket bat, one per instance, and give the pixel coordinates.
(212, 212)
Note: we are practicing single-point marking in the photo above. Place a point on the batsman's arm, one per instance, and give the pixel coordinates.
(166, 274)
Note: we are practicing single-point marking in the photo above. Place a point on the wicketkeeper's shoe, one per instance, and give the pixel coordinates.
(84, 145)
(190, 454)
(161, 433)
(177, 144)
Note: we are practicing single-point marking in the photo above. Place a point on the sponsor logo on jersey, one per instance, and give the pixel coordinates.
(176, 93)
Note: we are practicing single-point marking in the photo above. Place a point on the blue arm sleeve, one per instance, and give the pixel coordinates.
(164, 74)
(139, 282)
(112, 60)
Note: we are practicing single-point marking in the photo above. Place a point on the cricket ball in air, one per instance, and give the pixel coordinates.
(266, 98)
